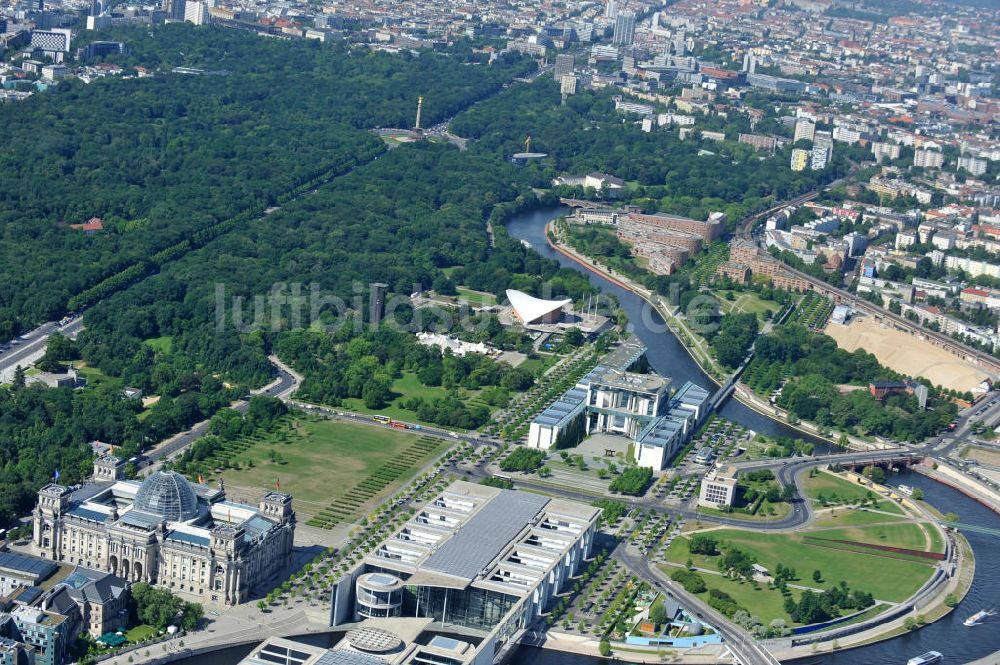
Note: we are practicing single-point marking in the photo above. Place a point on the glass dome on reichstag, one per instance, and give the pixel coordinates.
(167, 494)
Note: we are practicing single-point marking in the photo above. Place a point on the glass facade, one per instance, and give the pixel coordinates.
(167, 494)
(470, 608)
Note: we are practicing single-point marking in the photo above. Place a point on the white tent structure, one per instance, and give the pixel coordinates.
(529, 309)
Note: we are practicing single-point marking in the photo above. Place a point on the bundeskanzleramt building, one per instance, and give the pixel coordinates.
(475, 559)
(166, 531)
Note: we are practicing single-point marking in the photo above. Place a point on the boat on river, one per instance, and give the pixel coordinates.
(979, 617)
(926, 658)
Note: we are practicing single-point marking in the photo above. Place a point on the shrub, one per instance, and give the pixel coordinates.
(691, 581)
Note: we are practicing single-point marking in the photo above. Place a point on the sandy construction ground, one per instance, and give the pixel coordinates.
(906, 353)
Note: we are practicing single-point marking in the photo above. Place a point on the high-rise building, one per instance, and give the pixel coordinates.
(800, 159)
(174, 9)
(624, 29)
(804, 129)
(611, 9)
(567, 85)
(196, 12)
(973, 165)
(885, 151)
(926, 158)
(820, 157)
(564, 65)
(376, 302)
(56, 40)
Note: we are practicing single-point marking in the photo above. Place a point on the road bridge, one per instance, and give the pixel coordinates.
(970, 527)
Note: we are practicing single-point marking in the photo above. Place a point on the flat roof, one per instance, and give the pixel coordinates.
(615, 378)
(28, 565)
(485, 535)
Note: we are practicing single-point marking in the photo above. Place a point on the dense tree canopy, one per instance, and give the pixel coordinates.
(191, 150)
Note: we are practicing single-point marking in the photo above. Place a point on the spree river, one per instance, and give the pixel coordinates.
(666, 354)
(668, 357)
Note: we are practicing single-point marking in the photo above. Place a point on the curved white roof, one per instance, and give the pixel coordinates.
(529, 308)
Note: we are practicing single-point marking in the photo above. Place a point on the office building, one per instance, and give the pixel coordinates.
(718, 487)
(612, 400)
(196, 12)
(661, 439)
(174, 9)
(392, 642)
(624, 33)
(611, 9)
(55, 40)
(103, 600)
(103, 49)
(53, 43)
(167, 531)
(479, 560)
(40, 626)
(927, 158)
(18, 570)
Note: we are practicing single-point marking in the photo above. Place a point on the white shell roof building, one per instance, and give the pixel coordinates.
(528, 309)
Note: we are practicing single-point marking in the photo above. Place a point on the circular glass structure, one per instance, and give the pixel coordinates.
(167, 494)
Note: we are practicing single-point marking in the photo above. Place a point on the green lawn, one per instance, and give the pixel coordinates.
(843, 516)
(476, 298)
(886, 578)
(746, 302)
(162, 344)
(325, 459)
(406, 386)
(96, 377)
(841, 490)
(765, 604)
(538, 365)
(909, 536)
(140, 633)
